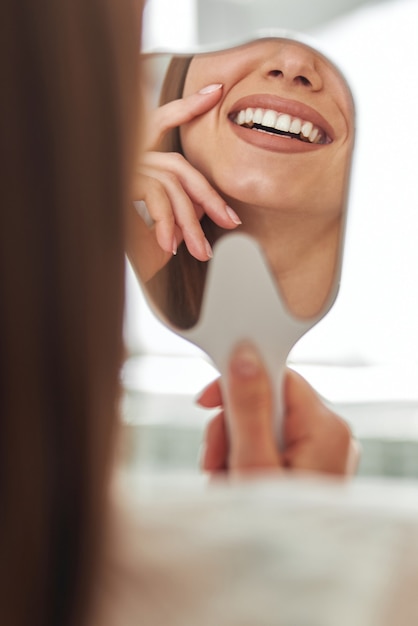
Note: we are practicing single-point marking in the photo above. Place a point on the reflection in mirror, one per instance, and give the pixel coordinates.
(277, 147)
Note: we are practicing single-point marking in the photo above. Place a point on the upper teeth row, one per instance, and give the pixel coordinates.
(279, 121)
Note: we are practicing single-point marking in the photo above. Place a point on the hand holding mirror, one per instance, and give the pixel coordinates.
(275, 146)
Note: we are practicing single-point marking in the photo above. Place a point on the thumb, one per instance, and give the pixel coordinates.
(250, 412)
(177, 112)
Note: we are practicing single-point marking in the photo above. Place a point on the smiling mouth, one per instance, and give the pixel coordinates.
(283, 124)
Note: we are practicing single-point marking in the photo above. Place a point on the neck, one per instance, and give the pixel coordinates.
(302, 251)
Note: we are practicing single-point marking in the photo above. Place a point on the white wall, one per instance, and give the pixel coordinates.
(225, 20)
(168, 24)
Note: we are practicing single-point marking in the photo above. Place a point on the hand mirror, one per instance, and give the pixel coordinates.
(277, 147)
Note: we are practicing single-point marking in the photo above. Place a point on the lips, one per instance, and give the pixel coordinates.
(279, 124)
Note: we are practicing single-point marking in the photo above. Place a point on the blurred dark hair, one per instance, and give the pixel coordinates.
(172, 89)
(68, 74)
(177, 289)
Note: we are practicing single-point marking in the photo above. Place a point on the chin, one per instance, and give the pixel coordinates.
(255, 192)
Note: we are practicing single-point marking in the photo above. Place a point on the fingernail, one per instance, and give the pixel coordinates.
(198, 398)
(210, 88)
(201, 400)
(208, 249)
(234, 217)
(245, 361)
(174, 248)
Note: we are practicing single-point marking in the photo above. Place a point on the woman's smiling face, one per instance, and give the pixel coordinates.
(282, 134)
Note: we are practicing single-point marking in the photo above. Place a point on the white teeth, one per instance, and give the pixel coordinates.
(258, 116)
(269, 119)
(295, 126)
(249, 114)
(241, 118)
(313, 135)
(283, 122)
(306, 129)
(280, 121)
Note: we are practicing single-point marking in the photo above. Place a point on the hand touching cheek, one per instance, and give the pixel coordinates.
(175, 194)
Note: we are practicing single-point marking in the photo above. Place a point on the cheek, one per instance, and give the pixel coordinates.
(198, 146)
(199, 74)
(331, 187)
(215, 161)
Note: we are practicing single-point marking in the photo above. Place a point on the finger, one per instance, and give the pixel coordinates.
(211, 396)
(316, 438)
(302, 403)
(304, 408)
(196, 186)
(181, 211)
(331, 451)
(158, 204)
(250, 419)
(143, 251)
(215, 446)
(179, 112)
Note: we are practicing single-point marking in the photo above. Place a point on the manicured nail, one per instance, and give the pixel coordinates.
(174, 248)
(245, 361)
(198, 398)
(210, 88)
(208, 249)
(233, 216)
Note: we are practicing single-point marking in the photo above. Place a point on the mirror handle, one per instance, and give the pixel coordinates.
(242, 302)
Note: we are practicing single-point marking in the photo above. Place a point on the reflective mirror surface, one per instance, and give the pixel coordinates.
(277, 147)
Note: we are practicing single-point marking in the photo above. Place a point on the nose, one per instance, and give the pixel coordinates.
(294, 65)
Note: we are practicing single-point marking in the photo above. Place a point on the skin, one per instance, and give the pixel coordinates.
(315, 438)
(269, 176)
(176, 194)
(289, 195)
(290, 199)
